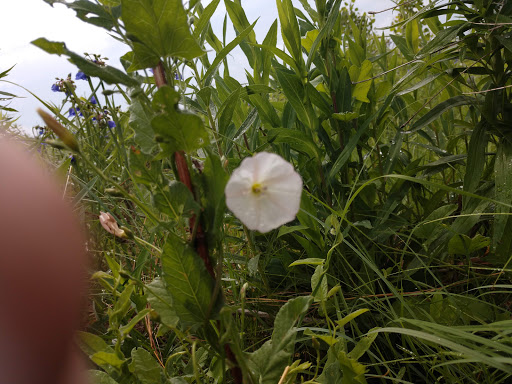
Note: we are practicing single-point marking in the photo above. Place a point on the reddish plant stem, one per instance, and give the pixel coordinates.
(200, 243)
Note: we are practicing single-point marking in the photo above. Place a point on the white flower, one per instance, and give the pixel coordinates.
(264, 192)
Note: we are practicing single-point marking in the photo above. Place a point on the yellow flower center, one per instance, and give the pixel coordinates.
(257, 188)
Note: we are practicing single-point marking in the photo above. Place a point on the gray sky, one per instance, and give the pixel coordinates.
(22, 21)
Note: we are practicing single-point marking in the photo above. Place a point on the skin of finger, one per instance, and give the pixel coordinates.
(42, 259)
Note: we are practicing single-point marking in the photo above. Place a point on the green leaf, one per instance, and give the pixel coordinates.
(284, 230)
(140, 121)
(308, 261)
(107, 73)
(126, 329)
(319, 284)
(144, 169)
(294, 91)
(297, 140)
(145, 367)
(106, 358)
(325, 31)
(121, 307)
(179, 131)
(161, 301)
(215, 179)
(227, 109)
(175, 200)
(438, 110)
(361, 90)
(351, 316)
(345, 116)
(503, 192)
(158, 29)
(362, 346)
(307, 42)
(464, 245)
(204, 21)
(189, 283)
(210, 73)
(290, 29)
(351, 145)
(90, 343)
(268, 363)
(100, 377)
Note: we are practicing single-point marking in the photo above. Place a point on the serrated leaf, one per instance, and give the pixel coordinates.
(189, 283)
(158, 29)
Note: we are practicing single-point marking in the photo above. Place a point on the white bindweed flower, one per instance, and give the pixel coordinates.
(264, 192)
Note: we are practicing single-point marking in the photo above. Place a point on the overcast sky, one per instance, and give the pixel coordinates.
(22, 21)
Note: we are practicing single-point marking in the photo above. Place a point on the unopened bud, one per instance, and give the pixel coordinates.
(67, 138)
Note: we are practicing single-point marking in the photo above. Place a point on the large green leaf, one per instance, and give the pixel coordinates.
(189, 283)
(106, 73)
(158, 29)
(145, 367)
(269, 362)
(179, 131)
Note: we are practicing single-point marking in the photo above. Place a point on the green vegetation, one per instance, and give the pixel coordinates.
(398, 265)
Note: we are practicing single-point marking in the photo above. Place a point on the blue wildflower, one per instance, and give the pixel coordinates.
(55, 88)
(41, 131)
(81, 76)
(73, 160)
(177, 76)
(93, 100)
(73, 111)
(111, 124)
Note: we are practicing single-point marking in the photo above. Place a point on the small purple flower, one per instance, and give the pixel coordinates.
(55, 88)
(177, 76)
(73, 111)
(93, 100)
(41, 131)
(111, 124)
(73, 160)
(81, 76)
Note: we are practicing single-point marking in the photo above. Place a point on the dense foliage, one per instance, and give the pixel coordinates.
(396, 268)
